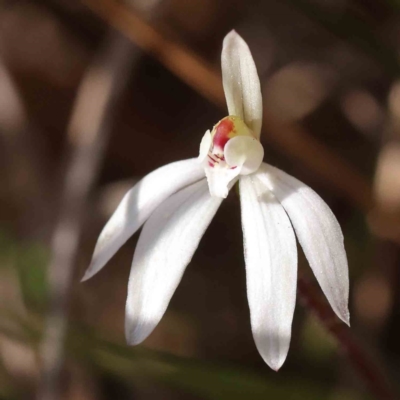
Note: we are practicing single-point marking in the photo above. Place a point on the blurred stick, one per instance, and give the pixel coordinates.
(292, 140)
(87, 133)
(362, 362)
(356, 31)
(22, 161)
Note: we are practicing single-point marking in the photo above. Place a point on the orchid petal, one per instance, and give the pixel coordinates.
(244, 152)
(220, 179)
(138, 204)
(165, 247)
(241, 82)
(271, 269)
(319, 234)
(205, 145)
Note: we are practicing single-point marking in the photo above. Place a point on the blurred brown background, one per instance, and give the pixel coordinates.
(96, 94)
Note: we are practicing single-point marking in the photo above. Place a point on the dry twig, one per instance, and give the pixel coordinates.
(362, 362)
(88, 132)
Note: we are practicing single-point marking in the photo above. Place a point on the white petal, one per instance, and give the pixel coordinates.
(205, 145)
(241, 82)
(138, 204)
(166, 246)
(271, 269)
(220, 179)
(244, 152)
(319, 234)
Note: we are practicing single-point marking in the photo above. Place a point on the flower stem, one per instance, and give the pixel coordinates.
(362, 362)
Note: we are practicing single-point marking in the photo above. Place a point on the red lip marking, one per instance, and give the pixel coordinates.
(223, 129)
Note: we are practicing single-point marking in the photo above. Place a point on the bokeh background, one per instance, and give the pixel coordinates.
(94, 94)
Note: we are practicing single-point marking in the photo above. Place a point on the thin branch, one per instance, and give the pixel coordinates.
(22, 158)
(291, 139)
(363, 363)
(88, 133)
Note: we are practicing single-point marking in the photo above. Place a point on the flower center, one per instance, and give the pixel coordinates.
(230, 150)
(226, 129)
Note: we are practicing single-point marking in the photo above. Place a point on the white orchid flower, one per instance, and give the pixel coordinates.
(177, 202)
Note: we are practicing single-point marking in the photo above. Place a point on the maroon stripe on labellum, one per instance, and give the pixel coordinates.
(222, 131)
